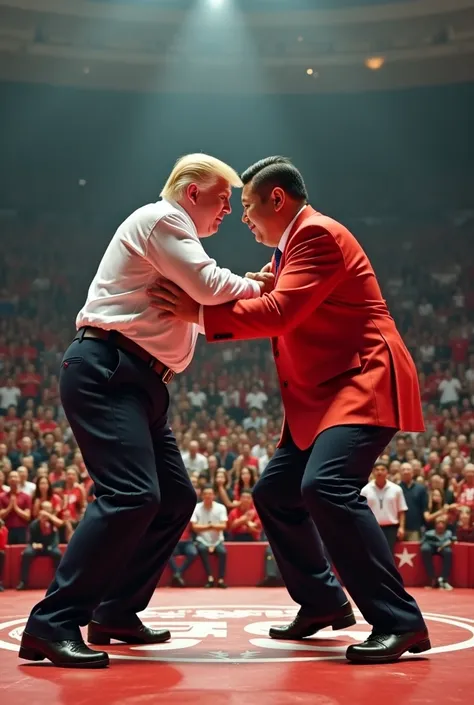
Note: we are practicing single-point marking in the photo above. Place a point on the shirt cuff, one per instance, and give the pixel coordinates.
(257, 290)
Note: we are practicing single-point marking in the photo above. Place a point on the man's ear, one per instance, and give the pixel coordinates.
(192, 193)
(278, 198)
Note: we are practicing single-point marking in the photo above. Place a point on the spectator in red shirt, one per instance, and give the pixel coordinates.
(243, 522)
(11, 418)
(436, 377)
(74, 496)
(3, 545)
(459, 349)
(27, 351)
(56, 469)
(48, 424)
(15, 510)
(29, 382)
(247, 458)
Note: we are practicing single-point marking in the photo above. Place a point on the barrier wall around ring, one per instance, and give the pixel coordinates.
(246, 566)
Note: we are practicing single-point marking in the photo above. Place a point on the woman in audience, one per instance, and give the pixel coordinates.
(246, 481)
(223, 490)
(44, 493)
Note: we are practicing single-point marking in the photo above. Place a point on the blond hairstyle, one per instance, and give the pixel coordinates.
(197, 168)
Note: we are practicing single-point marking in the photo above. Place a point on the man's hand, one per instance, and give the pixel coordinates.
(266, 280)
(400, 533)
(173, 302)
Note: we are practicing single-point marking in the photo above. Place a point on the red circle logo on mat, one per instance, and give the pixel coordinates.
(239, 634)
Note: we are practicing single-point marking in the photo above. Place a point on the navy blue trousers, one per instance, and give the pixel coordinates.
(307, 498)
(117, 408)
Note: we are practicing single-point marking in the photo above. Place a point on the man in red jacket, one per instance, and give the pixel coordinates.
(348, 385)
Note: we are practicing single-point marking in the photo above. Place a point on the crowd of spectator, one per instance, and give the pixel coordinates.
(226, 414)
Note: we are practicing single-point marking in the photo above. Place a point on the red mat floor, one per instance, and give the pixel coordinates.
(220, 655)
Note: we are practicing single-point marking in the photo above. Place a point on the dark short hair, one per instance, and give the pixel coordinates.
(249, 492)
(207, 487)
(273, 172)
(380, 464)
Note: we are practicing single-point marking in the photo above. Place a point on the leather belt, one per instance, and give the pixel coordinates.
(121, 341)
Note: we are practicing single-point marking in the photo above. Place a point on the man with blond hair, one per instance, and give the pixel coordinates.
(113, 386)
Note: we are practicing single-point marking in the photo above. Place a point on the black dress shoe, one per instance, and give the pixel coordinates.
(302, 626)
(178, 581)
(384, 648)
(66, 654)
(101, 634)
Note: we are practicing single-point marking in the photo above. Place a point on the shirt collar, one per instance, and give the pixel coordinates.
(179, 208)
(286, 234)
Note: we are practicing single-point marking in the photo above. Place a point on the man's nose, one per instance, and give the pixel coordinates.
(244, 218)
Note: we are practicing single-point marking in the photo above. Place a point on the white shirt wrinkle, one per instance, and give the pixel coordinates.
(159, 239)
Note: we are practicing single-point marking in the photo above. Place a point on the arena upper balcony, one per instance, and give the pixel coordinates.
(237, 46)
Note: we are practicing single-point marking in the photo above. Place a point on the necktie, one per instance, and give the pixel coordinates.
(278, 254)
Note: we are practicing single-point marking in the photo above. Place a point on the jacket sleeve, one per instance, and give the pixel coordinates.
(178, 255)
(314, 265)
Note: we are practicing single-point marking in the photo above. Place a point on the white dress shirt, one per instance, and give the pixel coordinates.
(217, 514)
(197, 464)
(286, 234)
(9, 396)
(385, 503)
(159, 239)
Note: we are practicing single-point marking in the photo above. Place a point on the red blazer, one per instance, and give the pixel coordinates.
(339, 356)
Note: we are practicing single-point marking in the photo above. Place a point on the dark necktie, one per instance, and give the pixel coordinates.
(278, 254)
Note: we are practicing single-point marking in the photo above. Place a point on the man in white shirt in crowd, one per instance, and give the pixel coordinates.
(113, 387)
(208, 522)
(25, 485)
(9, 395)
(197, 398)
(231, 397)
(450, 388)
(388, 504)
(260, 449)
(256, 398)
(193, 460)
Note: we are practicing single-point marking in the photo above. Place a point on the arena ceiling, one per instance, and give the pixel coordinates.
(237, 46)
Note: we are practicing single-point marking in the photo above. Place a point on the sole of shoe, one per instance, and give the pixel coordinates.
(342, 623)
(418, 648)
(105, 639)
(32, 655)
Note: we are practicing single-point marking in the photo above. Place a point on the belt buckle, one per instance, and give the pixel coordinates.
(167, 376)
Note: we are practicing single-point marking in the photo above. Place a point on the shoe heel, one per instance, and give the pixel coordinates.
(344, 622)
(30, 654)
(424, 645)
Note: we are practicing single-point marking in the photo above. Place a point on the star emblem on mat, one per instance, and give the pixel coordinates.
(405, 558)
(249, 654)
(222, 655)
